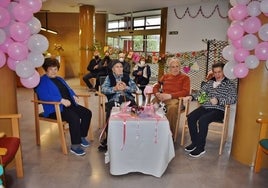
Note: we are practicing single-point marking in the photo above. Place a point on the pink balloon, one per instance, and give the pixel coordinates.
(239, 12)
(230, 16)
(32, 81)
(240, 70)
(261, 51)
(252, 25)
(4, 3)
(240, 55)
(34, 5)
(235, 32)
(17, 51)
(6, 44)
(4, 17)
(11, 63)
(237, 43)
(2, 59)
(20, 31)
(22, 13)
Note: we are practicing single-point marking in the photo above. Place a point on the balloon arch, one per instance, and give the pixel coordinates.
(21, 47)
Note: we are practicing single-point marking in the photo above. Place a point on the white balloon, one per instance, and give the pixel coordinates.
(264, 6)
(38, 43)
(228, 69)
(254, 8)
(263, 32)
(249, 41)
(34, 25)
(233, 2)
(252, 62)
(37, 59)
(25, 69)
(228, 52)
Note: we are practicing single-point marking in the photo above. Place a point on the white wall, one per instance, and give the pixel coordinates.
(191, 31)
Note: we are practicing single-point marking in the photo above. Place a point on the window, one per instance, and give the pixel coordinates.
(144, 36)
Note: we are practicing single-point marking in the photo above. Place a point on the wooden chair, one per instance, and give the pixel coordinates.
(10, 146)
(220, 128)
(263, 143)
(181, 109)
(62, 125)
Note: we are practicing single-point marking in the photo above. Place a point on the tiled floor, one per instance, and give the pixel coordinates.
(46, 166)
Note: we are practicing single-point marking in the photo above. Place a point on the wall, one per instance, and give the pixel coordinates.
(67, 25)
(191, 31)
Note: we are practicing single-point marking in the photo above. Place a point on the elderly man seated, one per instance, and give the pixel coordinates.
(169, 88)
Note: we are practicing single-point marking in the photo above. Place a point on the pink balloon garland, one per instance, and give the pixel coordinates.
(245, 50)
(21, 48)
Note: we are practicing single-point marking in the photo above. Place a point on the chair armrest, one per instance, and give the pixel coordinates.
(83, 95)
(10, 116)
(46, 102)
(262, 120)
(3, 151)
(100, 94)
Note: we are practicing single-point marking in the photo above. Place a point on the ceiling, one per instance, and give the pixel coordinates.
(113, 6)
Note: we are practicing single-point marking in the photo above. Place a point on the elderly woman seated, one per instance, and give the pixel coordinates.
(169, 88)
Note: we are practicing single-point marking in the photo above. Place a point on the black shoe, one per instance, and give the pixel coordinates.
(102, 148)
(190, 147)
(197, 152)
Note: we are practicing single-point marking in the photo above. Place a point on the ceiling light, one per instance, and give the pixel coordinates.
(46, 28)
(49, 31)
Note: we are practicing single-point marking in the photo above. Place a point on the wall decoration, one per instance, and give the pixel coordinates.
(200, 11)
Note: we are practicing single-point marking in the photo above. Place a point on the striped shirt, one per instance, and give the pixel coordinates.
(225, 93)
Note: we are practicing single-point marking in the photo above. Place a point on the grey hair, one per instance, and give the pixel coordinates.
(172, 59)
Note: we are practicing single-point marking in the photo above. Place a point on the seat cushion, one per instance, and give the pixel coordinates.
(11, 144)
(264, 143)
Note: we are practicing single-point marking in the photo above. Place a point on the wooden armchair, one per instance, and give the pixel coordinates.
(62, 125)
(10, 146)
(263, 144)
(220, 128)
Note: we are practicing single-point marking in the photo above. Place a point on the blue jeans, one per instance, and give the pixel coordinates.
(198, 121)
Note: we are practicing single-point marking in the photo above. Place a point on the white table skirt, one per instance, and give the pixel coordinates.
(144, 145)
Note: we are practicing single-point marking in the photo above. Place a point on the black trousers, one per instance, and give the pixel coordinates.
(198, 121)
(87, 77)
(79, 119)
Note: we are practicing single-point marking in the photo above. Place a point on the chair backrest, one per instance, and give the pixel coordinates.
(12, 144)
